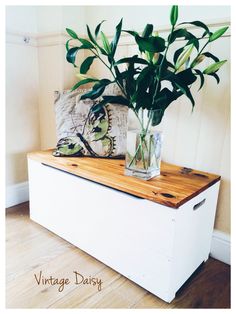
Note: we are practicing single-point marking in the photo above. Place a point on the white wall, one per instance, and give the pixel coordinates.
(54, 72)
(136, 17)
(22, 124)
(58, 18)
(21, 19)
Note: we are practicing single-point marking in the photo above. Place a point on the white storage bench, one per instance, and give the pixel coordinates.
(156, 233)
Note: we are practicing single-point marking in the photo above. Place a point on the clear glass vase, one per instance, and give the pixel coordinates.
(143, 155)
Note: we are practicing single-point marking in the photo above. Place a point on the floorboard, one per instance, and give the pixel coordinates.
(32, 250)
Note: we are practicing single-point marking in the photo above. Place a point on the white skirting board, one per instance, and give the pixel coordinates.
(220, 245)
(17, 193)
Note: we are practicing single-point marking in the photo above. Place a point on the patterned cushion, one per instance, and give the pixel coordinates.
(82, 132)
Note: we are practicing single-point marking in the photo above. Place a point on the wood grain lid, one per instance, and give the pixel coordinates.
(174, 187)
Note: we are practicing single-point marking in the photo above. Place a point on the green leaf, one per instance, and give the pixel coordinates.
(86, 64)
(199, 24)
(198, 72)
(71, 54)
(98, 29)
(118, 75)
(147, 30)
(157, 116)
(214, 67)
(133, 33)
(210, 55)
(134, 59)
(183, 33)
(206, 33)
(177, 54)
(94, 93)
(186, 91)
(144, 77)
(216, 77)
(193, 41)
(67, 44)
(174, 15)
(103, 51)
(130, 82)
(143, 100)
(94, 41)
(91, 36)
(179, 33)
(83, 82)
(105, 42)
(116, 100)
(115, 41)
(97, 107)
(142, 95)
(150, 55)
(151, 44)
(86, 44)
(218, 33)
(164, 99)
(71, 33)
(105, 82)
(169, 64)
(97, 90)
(186, 76)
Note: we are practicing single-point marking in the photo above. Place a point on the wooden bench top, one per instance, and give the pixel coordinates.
(175, 186)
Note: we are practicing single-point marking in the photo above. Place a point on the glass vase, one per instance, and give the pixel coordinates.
(143, 154)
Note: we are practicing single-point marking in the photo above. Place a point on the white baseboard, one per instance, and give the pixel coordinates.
(17, 193)
(220, 246)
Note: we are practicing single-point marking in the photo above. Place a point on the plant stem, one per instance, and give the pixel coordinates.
(135, 154)
(118, 83)
(140, 121)
(110, 69)
(149, 121)
(140, 147)
(159, 77)
(142, 154)
(160, 68)
(149, 151)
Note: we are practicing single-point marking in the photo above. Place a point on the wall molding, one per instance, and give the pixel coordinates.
(59, 38)
(220, 246)
(36, 40)
(16, 194)
(51, 39)
(25, 39)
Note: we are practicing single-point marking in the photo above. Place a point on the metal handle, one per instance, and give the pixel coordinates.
(196, 206)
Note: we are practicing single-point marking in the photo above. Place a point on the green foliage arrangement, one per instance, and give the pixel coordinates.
(142, 83)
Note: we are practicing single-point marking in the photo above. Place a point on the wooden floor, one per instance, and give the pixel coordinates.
(31, 248)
